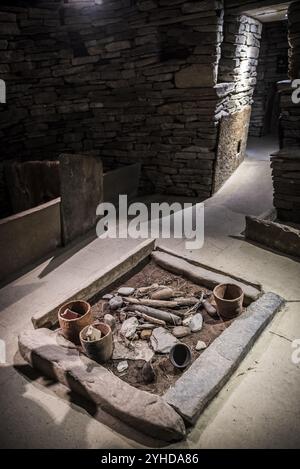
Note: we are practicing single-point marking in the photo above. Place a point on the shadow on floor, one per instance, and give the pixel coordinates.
(62, 254)
(17, 292)
(265, 248)
(84, 403)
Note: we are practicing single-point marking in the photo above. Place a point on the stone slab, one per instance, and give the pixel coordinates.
(47, 317)
(273, 235)
(28, 236)
(207, 375)
(81, 181)
(203, 276)
(31, 183)
(232, 142)
(195, 76)
(144, 411)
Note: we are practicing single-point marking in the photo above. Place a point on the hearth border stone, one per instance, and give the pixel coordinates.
(273, 235)
(204, 275)
(146, 412)
(208, 374)
(47, 317)
(194, 389)
(81, 187)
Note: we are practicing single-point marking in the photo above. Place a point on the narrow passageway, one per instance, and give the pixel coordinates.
(260, 148)
(248, 191)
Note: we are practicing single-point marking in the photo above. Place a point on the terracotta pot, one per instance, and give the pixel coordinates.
(99, 350)
(229, 300)
(72, 327)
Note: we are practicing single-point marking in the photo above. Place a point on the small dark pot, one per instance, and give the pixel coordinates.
(99, 350)
(72, 327)
(180, 355)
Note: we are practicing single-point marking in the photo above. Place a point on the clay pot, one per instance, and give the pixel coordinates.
(180, 355)
(229, 300)
(99, 350)
(72, 325)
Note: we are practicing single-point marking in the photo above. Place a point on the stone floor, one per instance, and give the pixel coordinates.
(258, 407)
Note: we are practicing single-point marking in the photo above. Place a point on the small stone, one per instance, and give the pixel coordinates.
(148, 373)
(116, 302)
(92, 334)
(146, 334)
(200, 345)
(108, 296)
(129, 328)
(126, 291)
(196, 323)
(162, 294)
(69, 314)
(187, 320)
(110, 320)
(122, 366)
(162, 341)
(181, 331)
(122, 316)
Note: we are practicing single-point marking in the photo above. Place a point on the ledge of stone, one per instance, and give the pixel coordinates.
(224, 89)
(207, 375)
(144, 411)
(283, 238)
(288, 152)
(203, 276)
(47, 316)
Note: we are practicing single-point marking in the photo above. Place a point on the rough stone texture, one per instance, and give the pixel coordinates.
(237, 66)
(272, 67)
(290, 111)
(46, 316)
(286, 163)
(27, 237)
(206, 376)
(294, 40)
(81, 181)
(144, 411)
(32, 183)
(286, 180)
(162, 341)
(202, 276)
(238, 6)
(98, 78)
(273, 235)
(233, 136)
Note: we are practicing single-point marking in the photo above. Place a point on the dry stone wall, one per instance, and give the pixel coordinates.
(237, 68)
(286, 163)
(272, 67)
(124, 80)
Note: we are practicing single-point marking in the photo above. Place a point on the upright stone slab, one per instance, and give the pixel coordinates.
(81, 179)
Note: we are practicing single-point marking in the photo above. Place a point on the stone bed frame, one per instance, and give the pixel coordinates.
(266, 231)
(162, 417)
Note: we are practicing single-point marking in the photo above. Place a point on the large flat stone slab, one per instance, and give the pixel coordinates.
(81, 186)
(144, 411)
(207, 375)
(202, 276)
(47, 316)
